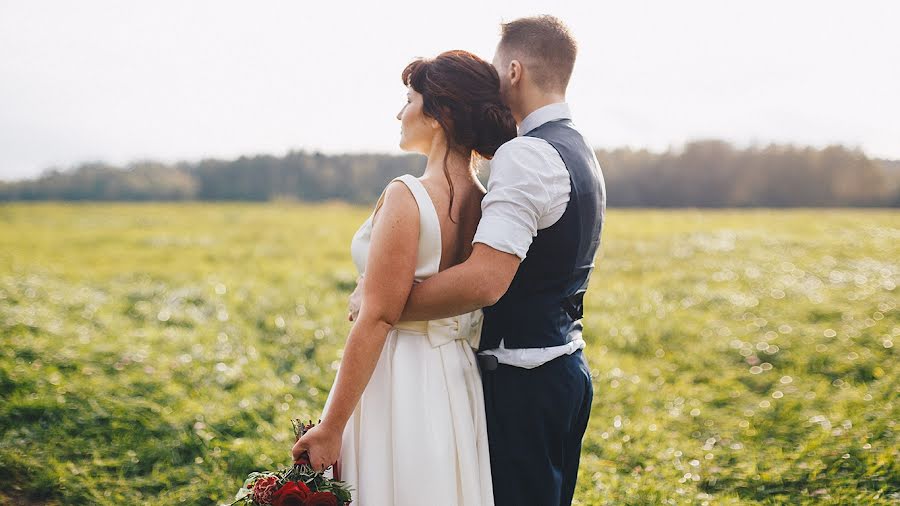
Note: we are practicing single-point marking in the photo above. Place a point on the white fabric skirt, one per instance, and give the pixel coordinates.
(419, 435)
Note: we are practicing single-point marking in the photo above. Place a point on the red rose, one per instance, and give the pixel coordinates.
(264, 489)
(293, 493)
(322, 499)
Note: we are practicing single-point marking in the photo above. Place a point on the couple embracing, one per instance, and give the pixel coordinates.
(462, 380)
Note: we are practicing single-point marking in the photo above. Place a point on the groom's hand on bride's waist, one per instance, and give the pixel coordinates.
(355, 300)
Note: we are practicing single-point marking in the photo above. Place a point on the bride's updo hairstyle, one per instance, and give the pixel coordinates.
(462, 93)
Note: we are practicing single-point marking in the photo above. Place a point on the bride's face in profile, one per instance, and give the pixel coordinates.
(416, 130)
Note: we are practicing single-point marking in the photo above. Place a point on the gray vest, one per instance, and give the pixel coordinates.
(544, 304)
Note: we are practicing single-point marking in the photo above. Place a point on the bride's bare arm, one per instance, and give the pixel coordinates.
(478, 282)
(390, 271)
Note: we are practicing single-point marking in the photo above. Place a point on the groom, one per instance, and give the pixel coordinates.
(533, 255)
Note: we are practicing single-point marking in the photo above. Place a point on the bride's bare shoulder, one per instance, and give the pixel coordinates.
(397, 200)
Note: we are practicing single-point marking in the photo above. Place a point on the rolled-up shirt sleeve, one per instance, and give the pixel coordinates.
(516, 199)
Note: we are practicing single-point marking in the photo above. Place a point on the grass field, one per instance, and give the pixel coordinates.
(154, 354)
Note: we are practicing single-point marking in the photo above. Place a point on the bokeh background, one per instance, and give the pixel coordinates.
(179, 183)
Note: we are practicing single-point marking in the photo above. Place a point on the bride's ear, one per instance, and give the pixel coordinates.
(434, 123)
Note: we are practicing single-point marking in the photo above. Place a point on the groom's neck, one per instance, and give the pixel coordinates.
(534, 101)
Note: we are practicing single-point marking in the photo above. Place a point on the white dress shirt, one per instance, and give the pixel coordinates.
(528, 190)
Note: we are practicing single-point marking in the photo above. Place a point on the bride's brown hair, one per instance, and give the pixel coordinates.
(462, 93)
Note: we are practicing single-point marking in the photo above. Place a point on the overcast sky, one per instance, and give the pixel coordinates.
(182, 80)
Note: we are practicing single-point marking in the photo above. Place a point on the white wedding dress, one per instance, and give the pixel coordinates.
(419, 435)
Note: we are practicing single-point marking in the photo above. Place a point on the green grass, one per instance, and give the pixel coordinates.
(154, 354)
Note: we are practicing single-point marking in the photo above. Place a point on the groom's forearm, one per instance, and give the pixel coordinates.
(478, 282)
(451, 292)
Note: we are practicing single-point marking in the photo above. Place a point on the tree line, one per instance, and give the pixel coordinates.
(708, 173)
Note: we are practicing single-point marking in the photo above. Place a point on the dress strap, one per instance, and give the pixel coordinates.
(430, 242)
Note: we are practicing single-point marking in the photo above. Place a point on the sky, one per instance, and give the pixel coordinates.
(169, 80)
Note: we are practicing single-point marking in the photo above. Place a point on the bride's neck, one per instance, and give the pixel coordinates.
(458, 165)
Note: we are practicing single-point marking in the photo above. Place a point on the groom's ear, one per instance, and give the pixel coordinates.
(515, 72)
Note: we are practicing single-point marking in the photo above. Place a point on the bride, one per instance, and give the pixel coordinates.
(405, 418)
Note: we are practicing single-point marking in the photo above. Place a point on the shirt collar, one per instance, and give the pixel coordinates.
(538, 117)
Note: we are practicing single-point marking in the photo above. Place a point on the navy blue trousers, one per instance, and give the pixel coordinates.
(536, 419)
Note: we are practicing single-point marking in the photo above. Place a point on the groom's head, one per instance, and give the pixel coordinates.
(535, 56)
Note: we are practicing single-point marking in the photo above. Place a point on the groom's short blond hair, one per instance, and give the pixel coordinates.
(545, 47)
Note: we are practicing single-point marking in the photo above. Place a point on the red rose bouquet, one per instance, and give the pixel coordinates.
(298, 485)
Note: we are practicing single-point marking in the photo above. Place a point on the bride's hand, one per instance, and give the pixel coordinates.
(355, 300)
(323, 444)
